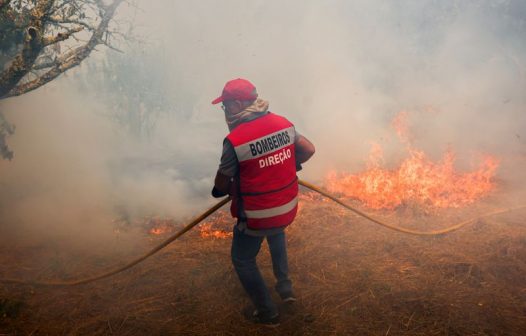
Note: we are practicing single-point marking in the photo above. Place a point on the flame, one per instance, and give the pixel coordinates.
(158, 226)
(417, 179)
(216, 226)
(206, 231)
(159, 230)
(399, 123)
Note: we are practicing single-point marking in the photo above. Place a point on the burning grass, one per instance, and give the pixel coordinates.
(351, 276)
(218, 225)
(417, 179)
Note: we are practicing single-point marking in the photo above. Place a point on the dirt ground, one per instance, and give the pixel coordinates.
(352, 277)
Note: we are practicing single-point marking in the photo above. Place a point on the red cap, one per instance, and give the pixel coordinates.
(237, 89)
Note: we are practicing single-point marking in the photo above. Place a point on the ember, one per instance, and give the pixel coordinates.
(159, 230)
(159, 226)
(218, 226)
(206, 231)
(417, 179)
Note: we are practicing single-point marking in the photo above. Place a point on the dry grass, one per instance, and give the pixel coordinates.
(352, 278)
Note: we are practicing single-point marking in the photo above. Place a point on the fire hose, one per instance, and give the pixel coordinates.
(214, 208)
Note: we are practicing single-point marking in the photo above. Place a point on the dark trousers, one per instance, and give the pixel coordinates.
(245, 248)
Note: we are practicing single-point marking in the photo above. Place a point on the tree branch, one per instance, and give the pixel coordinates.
(72, 58)
(60, 36)
(23, 62)
(59, 21)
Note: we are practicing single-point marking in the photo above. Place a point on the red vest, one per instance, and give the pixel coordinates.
(268, 186)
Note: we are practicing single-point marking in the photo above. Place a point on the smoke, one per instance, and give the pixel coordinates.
(339, 70)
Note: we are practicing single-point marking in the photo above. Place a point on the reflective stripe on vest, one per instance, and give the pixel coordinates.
(276, 211)
(265, 144)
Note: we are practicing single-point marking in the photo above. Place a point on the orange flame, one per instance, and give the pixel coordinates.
(206, 231)
(210, 228)
(417, 179)
(213, 228)
(401, 127)
(158, 226)
(159, 230)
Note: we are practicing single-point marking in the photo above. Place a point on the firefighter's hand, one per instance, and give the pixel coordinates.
(221, 185)
(298, 166)
(217, 193)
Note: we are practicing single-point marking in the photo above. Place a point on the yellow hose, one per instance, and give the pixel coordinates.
(207, 213)
(134, 262)
(401, 229)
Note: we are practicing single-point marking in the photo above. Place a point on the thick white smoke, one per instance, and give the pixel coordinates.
(339, 70)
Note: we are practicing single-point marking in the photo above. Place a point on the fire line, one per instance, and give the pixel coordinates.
(217, 206)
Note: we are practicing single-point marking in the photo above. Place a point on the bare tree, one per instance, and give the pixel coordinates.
(41, 39)
(46, 26)
(134, 88)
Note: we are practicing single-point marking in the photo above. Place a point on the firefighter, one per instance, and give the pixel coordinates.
(260, 157)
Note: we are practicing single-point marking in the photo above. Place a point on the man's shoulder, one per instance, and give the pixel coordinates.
(280, 117)
(258, 127)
